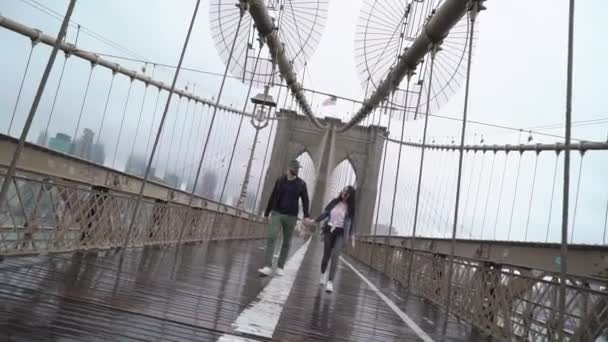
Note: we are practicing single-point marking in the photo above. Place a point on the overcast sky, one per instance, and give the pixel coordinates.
(518, 80)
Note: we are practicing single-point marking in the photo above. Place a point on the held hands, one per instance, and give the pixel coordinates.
(308, 222)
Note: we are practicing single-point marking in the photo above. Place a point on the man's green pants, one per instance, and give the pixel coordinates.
(286, 224)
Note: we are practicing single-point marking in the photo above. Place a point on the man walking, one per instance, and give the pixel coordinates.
(283, 205)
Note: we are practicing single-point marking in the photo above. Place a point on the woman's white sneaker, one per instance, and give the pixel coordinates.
(329, 287)
(266, 271)
(323, 280)
(280, 272)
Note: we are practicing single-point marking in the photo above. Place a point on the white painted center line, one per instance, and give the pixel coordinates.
(423, 335)
(262, 316)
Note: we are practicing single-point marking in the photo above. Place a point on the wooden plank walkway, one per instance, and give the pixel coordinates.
(196, 293)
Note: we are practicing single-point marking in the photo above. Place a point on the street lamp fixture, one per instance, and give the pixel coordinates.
(262, 106)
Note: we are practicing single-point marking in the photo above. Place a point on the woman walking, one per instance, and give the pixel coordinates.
(337, 227)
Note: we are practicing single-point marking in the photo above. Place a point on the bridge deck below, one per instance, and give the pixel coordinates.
(202, 292)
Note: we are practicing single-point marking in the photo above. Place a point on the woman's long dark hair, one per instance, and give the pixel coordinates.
(350, 201)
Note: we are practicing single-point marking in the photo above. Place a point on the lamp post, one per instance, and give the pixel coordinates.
(263, 103)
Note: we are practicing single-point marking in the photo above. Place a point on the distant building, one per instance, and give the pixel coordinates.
(98, 154)
(136, 165)
(172, 180)
(207, 185)
(83, 145)
(43, 138)
(85, 148)
(61, 142)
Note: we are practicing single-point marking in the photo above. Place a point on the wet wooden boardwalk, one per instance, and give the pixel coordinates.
(197, 293)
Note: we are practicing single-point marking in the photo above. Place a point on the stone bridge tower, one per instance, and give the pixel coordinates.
(361, 146)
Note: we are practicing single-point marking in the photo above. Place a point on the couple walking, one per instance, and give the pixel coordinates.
(283, 208)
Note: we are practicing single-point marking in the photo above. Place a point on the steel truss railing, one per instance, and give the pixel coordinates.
(46, 215)
(504, 301)
(38, 36)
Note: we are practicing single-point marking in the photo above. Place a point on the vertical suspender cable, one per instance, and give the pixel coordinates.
(8, 178)
(407, 92)
(502, 183)
(514, 194)
(238, 130)
(179, 104)
(27, 67)
(122, 122)
(605, 223)
(48, 122)
(217, 101)
(390, 118)
(531, 196)
(566, 190)
(160, 128)
(578, 191)
(181, 138)
(84, 101)
(105, 109)
(552, 195)
(483, 157)
(485, 210)
(475, 7)
(141, 110)
(433, 52)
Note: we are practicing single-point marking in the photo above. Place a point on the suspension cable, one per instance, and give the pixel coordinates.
(514, 195)
(578, 190)
(141, 110)
(483, 156)
(238, 130)
(105, 109)
(474, 8)
(605, 223)
(10, 173)
(468, 193)
(170, 147)
(385, 150)
(122, 121)
(552, 196)
(566, 189)
(219, 97)
(485, 210)
(190, 145)
(27, 67)
(152, 122)
(434, 50)
(84, 101)
(531, 197)
(409, 77)
(445, 184)
(259, 186)
(160, 129)
(48, 122)
(502, 183)
(181, 133)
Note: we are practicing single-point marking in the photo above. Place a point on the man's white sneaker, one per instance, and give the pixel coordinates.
(330, 287)
(266, 271)
(323, 280)
(280, 272)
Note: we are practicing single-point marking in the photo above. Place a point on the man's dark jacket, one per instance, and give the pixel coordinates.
(292, 209)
